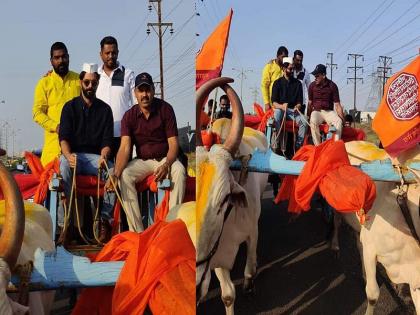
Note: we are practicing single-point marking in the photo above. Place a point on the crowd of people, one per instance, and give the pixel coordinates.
(93, 119)
(287, 90)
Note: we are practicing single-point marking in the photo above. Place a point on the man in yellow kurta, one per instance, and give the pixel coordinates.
(51, 93)
(271, 72)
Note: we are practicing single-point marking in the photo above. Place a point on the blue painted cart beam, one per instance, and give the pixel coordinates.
(269, 162)
(62, 269)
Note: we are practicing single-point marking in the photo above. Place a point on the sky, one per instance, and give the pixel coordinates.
(28, 28)
(372, 28)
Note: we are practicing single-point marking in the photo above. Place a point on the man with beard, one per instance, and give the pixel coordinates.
(323, 99)
(51, 93)
(271, 72)
(86, 131)
(224, 108)
(151, 127)
(115, 87)
(287, 97)
(302, 75)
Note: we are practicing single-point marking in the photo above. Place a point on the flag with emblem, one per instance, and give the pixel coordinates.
(397, 121)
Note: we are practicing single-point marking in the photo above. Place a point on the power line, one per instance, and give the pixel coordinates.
(393, 33)
(360, 26)
(370, 25)
(331, 64)
(157, 27)
(355, 79)
(390, 25)
(384, 70)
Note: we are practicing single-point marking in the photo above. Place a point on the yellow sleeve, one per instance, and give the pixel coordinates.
(265, 84)
(40, 109)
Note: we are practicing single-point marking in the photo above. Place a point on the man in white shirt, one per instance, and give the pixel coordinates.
(302, 75)
(115, 87)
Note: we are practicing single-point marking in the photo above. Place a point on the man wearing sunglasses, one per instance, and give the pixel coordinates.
(287, 98)
(51, 93)
(324, 104)
(150, 126)
(86, 132)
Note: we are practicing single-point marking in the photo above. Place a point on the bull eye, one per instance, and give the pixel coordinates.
(224, 203)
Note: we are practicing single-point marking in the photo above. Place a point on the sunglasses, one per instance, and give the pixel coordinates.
(86, 83)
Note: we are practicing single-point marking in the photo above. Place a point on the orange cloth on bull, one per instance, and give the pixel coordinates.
(328, 169)
(287, 188)
(268, 114)
(159, 271)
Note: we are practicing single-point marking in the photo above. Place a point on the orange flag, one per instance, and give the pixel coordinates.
(209, 60)
(397, 121)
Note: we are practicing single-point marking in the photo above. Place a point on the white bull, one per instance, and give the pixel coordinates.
(218, 189)
(386, 237)
(35, 231)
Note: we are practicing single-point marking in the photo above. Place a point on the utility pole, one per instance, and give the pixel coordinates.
(331, 64)
(254, 92)
(242, 75)
(354, 79)
(157, 27)
(383, 71)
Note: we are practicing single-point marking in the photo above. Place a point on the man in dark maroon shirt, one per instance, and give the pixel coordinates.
(323, 99)
(151, 127)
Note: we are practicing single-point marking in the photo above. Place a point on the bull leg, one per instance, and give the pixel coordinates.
(228, 289)
(372, 288)
(251, 263)
(415, 296)
(360, 250)
(334, 245)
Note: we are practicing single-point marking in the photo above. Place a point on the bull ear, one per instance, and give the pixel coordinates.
(238, 196)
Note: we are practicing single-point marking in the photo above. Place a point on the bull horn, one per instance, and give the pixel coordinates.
(237, 127)
(200, 97)
(14, 222)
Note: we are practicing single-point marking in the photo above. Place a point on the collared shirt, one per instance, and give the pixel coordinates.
(303, 76)
(51, 93)
(324, 95)
(224, 114)
(271, 73)
(150, 135)
(88, 129)
(117, 90)
(287, 91)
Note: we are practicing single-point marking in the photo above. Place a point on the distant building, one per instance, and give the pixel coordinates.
(186, 138)
(366, 117)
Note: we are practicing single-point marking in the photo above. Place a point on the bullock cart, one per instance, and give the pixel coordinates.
(62, 269)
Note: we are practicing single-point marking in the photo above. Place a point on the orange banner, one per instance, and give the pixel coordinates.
(209, 60)
(397, 121)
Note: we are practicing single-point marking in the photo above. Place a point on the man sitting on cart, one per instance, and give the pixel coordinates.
(287, 98)
(151, 126)
(86, 135)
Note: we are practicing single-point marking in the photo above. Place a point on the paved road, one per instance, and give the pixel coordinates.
(298, 274)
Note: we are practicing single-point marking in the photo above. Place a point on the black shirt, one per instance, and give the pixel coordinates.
(224, 114)
(287, 91)
(87, 129)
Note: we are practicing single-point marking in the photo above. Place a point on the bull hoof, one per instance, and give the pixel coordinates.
(227, 301)
(249, 286)
(335, 252)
